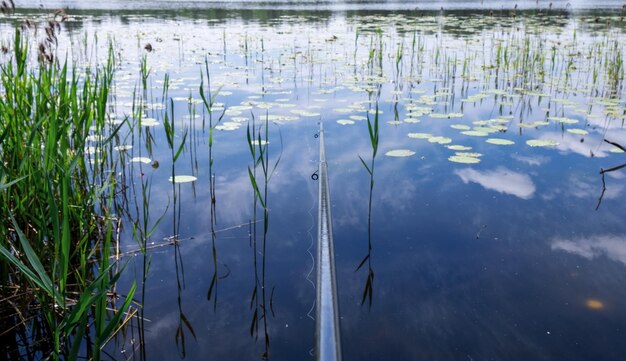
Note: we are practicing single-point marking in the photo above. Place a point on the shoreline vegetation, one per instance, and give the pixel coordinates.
(59, 227)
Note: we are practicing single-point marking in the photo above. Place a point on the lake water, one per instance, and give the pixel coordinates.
(486, 242)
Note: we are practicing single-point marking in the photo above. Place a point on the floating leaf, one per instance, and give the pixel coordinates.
(148, 122)
(564, 120)
(498, 141)
(468, 154)
(460, 127)
(121, 148)
(578, 131)
(475, 133)
(463, 159)
(420, 135)
(459, 147)
(305, 113)
(345, 121)
(228, 126)
(141, 160)
(542, 143)
(182, 179)
(440, 140)
(400, 153)
(486, 129)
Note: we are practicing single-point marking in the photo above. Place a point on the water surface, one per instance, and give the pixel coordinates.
(501, 257)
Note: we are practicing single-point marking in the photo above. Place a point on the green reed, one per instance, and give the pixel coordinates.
(258, 143)
(58, 224)
(372, 129)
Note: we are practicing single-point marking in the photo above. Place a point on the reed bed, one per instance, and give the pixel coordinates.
(58, 228)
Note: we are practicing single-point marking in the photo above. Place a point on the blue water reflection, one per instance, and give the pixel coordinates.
(505, 258)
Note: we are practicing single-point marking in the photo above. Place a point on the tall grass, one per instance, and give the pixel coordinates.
(57, 219)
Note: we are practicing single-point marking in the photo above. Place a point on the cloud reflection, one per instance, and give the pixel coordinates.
(501, 180)
(613, 247)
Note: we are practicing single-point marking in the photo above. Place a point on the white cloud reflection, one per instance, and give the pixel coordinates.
(592, 146)
(613, 247)
(534, 160)
(501, 180)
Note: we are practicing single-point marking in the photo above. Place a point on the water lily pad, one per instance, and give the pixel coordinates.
(281, 118)
(475, 133)
(469, 154)
(121, 148)
(486, 129)
(420, 135)
(460, 127)
(498, 141)
(345, 121)
(400, 153)
(257, 142)
(141, 160)
(305, 113)
(440, 140)
(182, 179)
(228, 126)
(563, 120)
(459, 147)
(577, 131)
(148, 122)
(463, 159)
(542, 143)
(412, 120)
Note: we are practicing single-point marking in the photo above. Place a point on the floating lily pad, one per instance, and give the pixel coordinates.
(148, 122)
(459, 147)
(475, 133)
(182, 179)
(305, 113)
(460, 127)
(420, 135)
(498, 141)
(542, 143)
(262, 142)
(440, 140)
(281, 118)
(412, 120)
(486, 129)
(141, 160)
(228, 126)
(400, 153)
(564, 120)
(463, 159)
(345, 121)
(577, 131)
(121, 148)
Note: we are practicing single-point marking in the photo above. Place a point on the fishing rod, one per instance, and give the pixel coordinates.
(327, 335)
